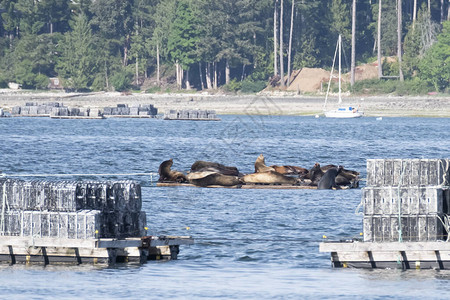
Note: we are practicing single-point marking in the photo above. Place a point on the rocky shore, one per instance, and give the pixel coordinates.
(273, 103)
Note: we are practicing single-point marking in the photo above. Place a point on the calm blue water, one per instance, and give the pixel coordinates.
(249, 243)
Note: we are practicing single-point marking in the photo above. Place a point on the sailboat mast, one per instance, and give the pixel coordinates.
(340, 48)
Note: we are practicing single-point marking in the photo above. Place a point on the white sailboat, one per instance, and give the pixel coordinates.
(341, 111)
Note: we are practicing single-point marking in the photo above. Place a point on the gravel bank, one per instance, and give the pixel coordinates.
(281, 104)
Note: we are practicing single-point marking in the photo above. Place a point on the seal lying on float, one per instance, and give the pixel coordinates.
(166, 174)
(270, 177)
(260, 167)
(207, 178)
(202, 166)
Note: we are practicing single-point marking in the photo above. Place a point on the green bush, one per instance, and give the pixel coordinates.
(153, 89)
(42, 82)
(250, 86)
(121, 81)
(233, 86)
(414, 86)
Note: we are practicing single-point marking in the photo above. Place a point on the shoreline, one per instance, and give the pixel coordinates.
(264, 104)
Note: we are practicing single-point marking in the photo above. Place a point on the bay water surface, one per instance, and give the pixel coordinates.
(254, 244)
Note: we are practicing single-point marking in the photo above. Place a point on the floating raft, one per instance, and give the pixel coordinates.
(78, 222)
(243, 186)
(191, 115)
(98, 251)
(78, 117)
(407, 255)
(405, 205)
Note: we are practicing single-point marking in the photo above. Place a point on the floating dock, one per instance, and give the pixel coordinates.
(243, 186)
(78, 117)
(78, 222)
(405, 255)
(191, 115)
(93, 251)
(406, 204)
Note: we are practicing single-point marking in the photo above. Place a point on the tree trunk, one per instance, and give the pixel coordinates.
(215, 76)
(158, 70)
(106, 76)
(414, 13)
(429, 6)
(208, 76)
(137, 70)
(275, 44)
(188, 84)
(380, 66)
(442, 11)
(202, 86)
(399, 38)
(227, 72)
(281, 45)
(290, 43)
(179, 80)
(353, 62)
(125, 51)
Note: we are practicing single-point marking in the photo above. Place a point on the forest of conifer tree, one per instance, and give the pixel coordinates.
(94, 45)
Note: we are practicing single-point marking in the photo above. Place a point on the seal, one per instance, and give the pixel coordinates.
(315, 174)
(328, 180)
(270, 177)
(200, 166)
(206, 178)
(291, 170)
(260, 165)
(166, 174)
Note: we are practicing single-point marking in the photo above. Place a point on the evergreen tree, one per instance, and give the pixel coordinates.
(78, 61)
(435, 67)
(183, 38)
(421, 35)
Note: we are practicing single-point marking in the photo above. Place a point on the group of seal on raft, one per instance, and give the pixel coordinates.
(203, 173)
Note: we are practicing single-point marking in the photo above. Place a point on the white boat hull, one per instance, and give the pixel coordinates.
(343, 114)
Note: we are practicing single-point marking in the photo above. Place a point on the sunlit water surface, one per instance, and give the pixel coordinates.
(257, 244)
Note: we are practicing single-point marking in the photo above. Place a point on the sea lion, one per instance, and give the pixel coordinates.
(166, 174)
(270, 177)
(328, 180)
(205, 179)
(349, 173)
(200, 166)
(290, 170)
(260, 165)
(315, 174)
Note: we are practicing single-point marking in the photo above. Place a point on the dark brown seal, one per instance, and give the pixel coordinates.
(328, 180)
(205, 179)
(200, 166)
(166, 174)
(291, 170)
